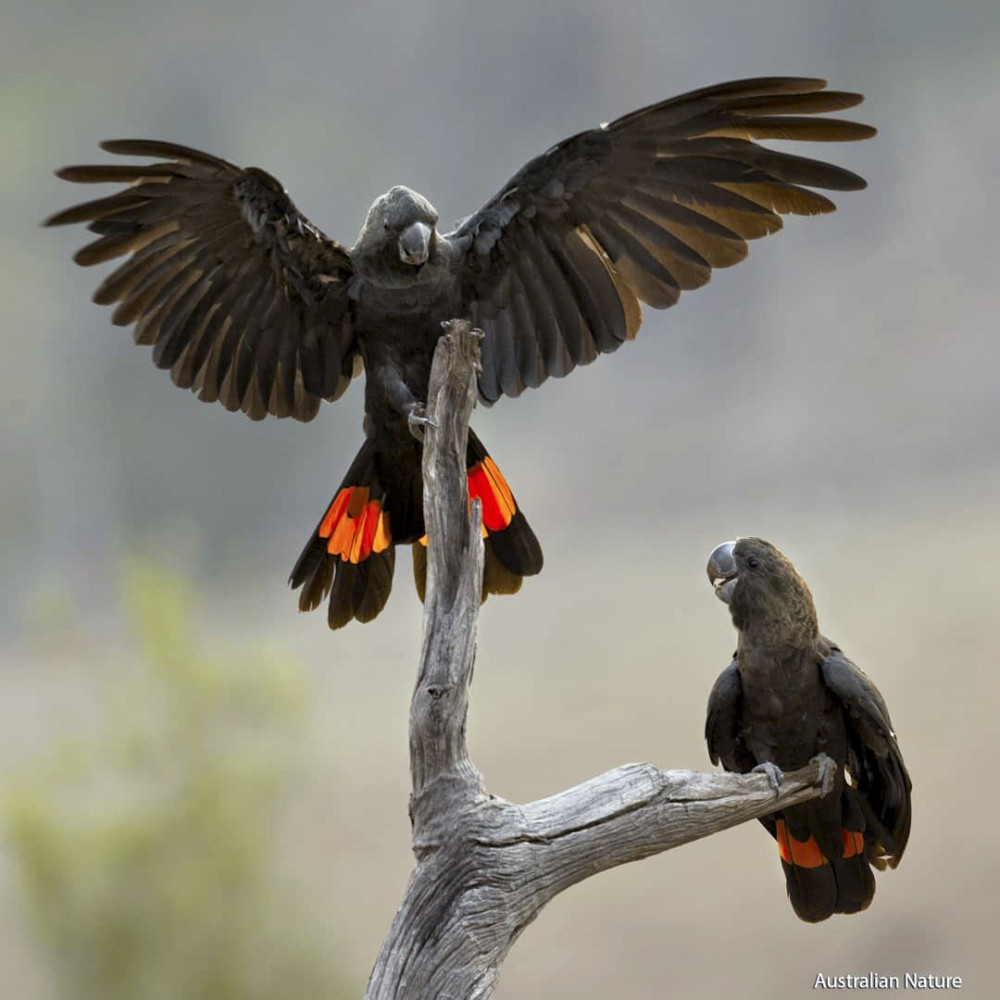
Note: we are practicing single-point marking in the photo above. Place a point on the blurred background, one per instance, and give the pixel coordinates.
(203, 793)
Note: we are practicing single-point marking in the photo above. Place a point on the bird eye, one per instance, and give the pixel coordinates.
(753, 562)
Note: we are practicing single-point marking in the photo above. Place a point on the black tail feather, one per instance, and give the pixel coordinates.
(512, 552)
(355, 567)
(843, 885)
(358, 590)
(513, 548)
(824, 856)
(497, 578)
(517, 549)
(811, 891)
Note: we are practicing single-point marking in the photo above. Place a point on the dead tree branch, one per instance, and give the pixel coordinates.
(486, 867)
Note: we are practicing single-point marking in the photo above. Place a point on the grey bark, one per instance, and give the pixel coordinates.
(486, 867)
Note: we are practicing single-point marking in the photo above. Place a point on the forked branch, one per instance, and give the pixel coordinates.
(486, 867)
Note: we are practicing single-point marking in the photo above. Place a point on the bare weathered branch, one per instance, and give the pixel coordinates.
(638, 810)
(485, 866)
(443, 777)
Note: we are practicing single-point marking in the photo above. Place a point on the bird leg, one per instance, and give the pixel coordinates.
(827, 773)
(417, 419)
(386, 381)
(774, 774)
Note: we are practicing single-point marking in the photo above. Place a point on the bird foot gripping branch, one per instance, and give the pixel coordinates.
(774, 774)
(417, 419)
(827, 773)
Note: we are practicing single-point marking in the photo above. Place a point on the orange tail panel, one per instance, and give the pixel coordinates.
(355, 526)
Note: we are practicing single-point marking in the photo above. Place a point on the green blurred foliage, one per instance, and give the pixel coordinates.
(146, 849)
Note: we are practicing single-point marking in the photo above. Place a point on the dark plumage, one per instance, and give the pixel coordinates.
(789, 695)
(247, 302)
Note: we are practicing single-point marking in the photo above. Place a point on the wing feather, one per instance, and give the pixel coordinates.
(875, 761)
(561, 350)
(602, 322)
(722, 724)
(639, 210)
(242, 298)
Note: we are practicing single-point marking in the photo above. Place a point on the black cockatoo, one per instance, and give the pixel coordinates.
(790, 695)
(245, 301)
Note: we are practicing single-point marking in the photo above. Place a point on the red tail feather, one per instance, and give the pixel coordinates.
(355, 526)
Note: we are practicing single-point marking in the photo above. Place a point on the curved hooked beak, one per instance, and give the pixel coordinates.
(723, 572)
(414, 244)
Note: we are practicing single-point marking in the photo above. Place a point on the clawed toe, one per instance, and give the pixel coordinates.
(417, 420)
(774, 774)
(827, 773)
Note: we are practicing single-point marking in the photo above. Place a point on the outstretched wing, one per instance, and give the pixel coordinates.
(555, 266)
(722, 727)
(242, 298)
(873, 759)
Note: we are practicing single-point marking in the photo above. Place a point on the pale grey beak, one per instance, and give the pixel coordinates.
(414, 244)
(723, 572)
